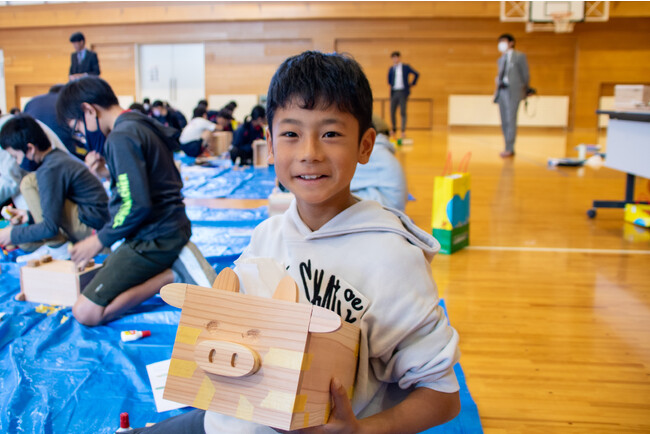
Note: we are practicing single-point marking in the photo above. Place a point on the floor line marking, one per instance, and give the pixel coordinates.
(561, 249)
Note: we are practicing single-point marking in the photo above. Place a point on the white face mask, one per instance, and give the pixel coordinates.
(503, 46)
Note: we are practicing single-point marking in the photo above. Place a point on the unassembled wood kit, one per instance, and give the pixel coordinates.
(54, 282)
(268, 361)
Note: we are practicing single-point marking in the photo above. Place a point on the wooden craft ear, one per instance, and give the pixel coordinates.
(91, 263)
(323, 320)
(286, 290)
(174, 294)
(227, 280)
(33, 263)
(45, 259)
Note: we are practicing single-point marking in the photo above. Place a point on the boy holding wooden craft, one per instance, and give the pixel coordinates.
(369, 264)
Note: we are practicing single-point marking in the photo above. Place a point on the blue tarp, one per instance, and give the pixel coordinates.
(227, 181)
(57, 376)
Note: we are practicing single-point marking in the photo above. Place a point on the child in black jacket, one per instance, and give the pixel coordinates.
(251, 130)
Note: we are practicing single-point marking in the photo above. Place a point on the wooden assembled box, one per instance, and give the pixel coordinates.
(54, 282)
(265, 360)
(219, 142)
(260, 153)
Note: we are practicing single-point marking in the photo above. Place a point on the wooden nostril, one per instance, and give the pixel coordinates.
(211, 356)
(233, 360)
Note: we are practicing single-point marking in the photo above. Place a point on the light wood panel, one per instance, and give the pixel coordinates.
(451, 43)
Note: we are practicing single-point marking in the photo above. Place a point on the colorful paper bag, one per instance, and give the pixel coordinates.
(451, 203)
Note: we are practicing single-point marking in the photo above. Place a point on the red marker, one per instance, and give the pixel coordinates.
(134, 335)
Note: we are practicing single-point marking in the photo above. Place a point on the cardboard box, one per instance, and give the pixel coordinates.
(631, 96)
(268, 361)
(450, 214)
(54, 282)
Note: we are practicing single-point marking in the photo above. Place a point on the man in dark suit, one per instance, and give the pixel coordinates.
(512, 84)
(83, 62)
(400, 88)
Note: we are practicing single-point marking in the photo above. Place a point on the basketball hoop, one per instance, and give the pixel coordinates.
(562, 22)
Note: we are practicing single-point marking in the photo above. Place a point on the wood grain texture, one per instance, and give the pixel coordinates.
(248, 356)
(555, 334)
(452, 45)
(54, 282)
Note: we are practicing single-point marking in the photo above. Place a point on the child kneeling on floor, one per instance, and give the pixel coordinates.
(146, 206)
(65, 201)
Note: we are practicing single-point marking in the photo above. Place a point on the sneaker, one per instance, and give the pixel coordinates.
(191, 267)
(61, 253)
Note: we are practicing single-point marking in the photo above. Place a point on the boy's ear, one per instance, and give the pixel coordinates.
(366, 145)
(269, 146)
(31, 150)
(89, 108)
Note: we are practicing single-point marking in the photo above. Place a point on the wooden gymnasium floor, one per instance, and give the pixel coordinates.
(553, 309)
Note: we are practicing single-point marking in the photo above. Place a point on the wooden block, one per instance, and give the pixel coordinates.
(268, 361)
(219, 142)
(55, 282)
(260, 153)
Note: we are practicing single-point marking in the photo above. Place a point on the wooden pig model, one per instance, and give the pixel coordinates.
(268, 361)
(54, 282)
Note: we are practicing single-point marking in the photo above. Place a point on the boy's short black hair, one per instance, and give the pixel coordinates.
(77, 37)
(20, 130)
(136, 106)
(146, 101)
(258, 112)
(91, 90)
(226, 114)
(507, 36)
(202, 102)
(199, 112)
(395, 53)
(157, 103)
(314, 79)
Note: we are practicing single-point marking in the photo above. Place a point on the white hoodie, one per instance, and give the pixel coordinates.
(376, 263)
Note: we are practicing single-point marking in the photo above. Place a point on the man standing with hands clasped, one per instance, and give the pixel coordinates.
(400, 88)
(511, 87)
(83, 62)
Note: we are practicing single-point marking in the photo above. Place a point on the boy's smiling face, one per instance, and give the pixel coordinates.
(316, 154)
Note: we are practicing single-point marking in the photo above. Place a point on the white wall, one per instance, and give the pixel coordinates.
(480, 110)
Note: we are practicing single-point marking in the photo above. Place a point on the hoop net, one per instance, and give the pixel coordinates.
(562, 22)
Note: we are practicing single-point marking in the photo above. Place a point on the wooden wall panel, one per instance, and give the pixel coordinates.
(117, 65)
(246, 67)
(452, 47)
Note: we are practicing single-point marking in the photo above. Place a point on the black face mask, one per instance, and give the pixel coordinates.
(29, 165)
(95, 139)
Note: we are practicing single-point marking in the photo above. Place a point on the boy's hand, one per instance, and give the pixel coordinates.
(85, 250)
(342, 419)
(14, 215)
(96, 164)
(5, 236)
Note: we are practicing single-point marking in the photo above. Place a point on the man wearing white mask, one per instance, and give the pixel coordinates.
(512, 84)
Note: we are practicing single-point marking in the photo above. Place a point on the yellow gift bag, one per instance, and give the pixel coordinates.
(451, 200)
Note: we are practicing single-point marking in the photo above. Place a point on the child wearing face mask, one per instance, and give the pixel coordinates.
(66, 202)
(146, 207)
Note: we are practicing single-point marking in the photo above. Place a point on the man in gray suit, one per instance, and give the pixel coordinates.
(512, 84)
